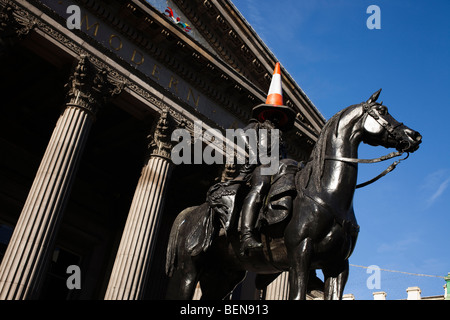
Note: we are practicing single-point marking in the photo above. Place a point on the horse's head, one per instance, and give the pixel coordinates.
(380, 128)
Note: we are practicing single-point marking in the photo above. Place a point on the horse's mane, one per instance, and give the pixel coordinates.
(318, 154)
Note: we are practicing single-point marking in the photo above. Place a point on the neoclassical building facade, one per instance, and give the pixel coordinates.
(87, 113)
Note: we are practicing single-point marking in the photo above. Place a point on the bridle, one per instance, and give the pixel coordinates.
(369, 111)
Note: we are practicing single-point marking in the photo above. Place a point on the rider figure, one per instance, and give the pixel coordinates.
(271, 115)
(260, 185)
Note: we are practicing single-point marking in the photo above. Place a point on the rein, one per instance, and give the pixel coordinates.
(380, 159)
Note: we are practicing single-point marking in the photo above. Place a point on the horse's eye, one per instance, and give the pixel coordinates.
(382, 110)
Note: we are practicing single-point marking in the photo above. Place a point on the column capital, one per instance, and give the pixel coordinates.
(160, 139)
(14, 23)
(89, 88)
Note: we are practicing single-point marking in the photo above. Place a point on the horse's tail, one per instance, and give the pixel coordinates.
(172, 246)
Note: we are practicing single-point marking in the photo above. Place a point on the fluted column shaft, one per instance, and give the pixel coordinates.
(279, 288)
(129, 274)
(29, 249)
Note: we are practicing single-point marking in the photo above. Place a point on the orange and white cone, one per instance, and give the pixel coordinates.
(273, 109)
(275, 95)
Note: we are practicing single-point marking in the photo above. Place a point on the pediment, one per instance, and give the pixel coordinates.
(174, 14)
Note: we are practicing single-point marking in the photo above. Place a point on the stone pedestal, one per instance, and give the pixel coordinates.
(128, 277)
(24, 263)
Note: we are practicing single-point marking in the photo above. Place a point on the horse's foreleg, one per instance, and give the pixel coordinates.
(300, 261)
(335, 282)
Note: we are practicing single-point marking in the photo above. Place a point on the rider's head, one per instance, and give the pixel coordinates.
(282, 117)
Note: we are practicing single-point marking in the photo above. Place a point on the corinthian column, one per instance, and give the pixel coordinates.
(30, 247)
(136, 247)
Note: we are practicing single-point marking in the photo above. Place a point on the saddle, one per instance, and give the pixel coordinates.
(282, 190)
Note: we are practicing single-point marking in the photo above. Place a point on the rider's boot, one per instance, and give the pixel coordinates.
(248, 220)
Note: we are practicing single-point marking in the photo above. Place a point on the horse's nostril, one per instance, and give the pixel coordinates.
(414, 135)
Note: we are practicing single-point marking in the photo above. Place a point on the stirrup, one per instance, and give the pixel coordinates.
(249, 243)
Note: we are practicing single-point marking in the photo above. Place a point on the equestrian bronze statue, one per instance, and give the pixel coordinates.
(306, 223)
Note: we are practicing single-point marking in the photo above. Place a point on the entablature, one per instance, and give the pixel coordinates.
(159, 62)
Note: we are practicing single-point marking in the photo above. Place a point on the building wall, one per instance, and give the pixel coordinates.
(79, 130)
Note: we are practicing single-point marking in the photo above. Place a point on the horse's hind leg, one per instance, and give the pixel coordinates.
(218, 284)
(300, 262)
(183, 282)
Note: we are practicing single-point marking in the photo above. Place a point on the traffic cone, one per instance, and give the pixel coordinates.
(274, 110)
(275, 95)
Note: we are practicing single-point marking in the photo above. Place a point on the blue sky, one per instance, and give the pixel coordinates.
(327, 48)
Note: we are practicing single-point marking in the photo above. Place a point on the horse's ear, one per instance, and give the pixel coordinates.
(374, 97)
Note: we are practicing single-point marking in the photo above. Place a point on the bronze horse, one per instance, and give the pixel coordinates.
(320, 232)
